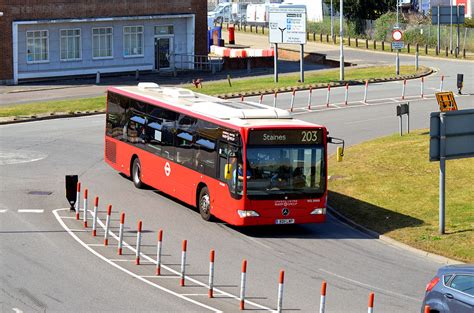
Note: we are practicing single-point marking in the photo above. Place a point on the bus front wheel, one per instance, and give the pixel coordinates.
(205, 204)
(136, 173)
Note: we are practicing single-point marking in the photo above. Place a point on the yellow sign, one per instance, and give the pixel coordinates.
(446, 101)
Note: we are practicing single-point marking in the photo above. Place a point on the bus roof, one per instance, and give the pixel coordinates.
(236, 112)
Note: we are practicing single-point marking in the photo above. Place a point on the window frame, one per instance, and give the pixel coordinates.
(160, 34)
(143, 42)
(47, 46)
(450, 281)
(111, 44)
(60, 45)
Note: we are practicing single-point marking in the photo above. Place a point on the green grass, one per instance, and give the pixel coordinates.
(291, 80)
(389, 186)
(54, 107)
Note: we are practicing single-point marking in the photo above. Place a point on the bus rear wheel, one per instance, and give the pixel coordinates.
(136, 174)
(204, 204)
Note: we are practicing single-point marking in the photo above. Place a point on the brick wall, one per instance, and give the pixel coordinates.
(16, 10)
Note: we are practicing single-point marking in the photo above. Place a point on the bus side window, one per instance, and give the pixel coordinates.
(206, 156)
(169, 119)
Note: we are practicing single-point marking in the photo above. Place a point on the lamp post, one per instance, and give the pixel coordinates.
(332, 22)
(341, 33)
(397, 59)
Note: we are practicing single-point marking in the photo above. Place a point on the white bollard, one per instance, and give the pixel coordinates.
(78, 200)
(309, 97)
(275, 99)
(280, 292)
(292, 102)
(139, 240)
(346, 94)
(441, 83)
(322, 305)
(84, 216)
(211, 275)
(94, 218)
(183, 263)
(328, 95)
(107, 225)
(120, 242)
(261, 98)
(242, 284)
(371, 303)
(158, 253)
(403, 89)
(422, 86)
(365, 90)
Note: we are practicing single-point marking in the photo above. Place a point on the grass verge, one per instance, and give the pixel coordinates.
(388, 185)
(291, 80)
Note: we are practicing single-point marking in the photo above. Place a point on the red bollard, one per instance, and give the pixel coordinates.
(365, 90)
(242, 98)
(261, 98)
(139, 239)
(78, 199)
(211, 274)
(328, 95)
(427, 309)
(231, 35)
(84, 217)
(441, 83)
(371, 303)
(107, 225)
(309, 97)
(183, 262)
(422, 86)
(280, 292)
(122, 222)
(158, 253)
(275, 99)
(242, 284)
(403, 89)
(94, 218)
(346, 94)
(322, 305)
(292, 100)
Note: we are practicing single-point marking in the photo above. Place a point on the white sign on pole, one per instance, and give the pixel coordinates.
(287, 24)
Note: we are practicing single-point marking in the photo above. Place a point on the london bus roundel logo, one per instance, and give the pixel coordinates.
(167, 169)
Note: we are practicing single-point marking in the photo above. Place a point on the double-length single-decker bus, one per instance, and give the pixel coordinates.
(242, 162)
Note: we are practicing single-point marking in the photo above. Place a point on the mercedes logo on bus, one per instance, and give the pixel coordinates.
(285, 212)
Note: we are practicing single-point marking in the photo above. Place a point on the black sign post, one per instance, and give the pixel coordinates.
(403, 109)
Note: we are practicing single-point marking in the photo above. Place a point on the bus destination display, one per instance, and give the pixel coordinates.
(286, 136)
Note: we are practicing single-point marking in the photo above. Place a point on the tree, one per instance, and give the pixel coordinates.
(357, 11)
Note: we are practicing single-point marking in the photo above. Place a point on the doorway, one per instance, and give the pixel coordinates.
(163, 50)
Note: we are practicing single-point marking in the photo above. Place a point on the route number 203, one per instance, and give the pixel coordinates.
(309, 136)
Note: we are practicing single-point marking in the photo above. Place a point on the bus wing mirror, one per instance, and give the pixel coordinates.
(340, 150)
(228, 171)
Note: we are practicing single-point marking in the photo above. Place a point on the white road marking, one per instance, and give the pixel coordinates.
(194, 294)
(17, 310)
(3, 211)
(160, 276)
(30, 211)
(22, 156)
(55, 212)
(68, 217)
(96, 245)
(369, 120)
(369, 286)
(121, 260)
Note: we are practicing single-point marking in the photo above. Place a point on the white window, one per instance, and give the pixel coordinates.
(37, 46)
(164, 30)
(132, 41)
(70, 44)
(102, 43)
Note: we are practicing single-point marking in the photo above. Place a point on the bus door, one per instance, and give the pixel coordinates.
(230, 186)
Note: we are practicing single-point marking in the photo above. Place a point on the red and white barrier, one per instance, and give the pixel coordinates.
(422, 86)
(211, 274)
(139, 240)
(427, 309)
(84, 216)
(292, 102)
(365, 90)
(94, 218)
(242, 98)
(78, 200)
(120, 242)
(346, 94)
(310, 94)
(280, 292)
(322, 305)
(371, 303)
(107, 225)
(183, 262)
(261, 98)
(403, 88)
(242, 284)
(275, 99)
(158, 253)
(328, 95)
(441, 83)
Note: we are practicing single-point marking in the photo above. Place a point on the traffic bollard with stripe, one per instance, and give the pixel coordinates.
(94, 218)
(427, 309)
(422, 86)
(211, 274)
(242, 98)
(441, 83)
(322, 305)
(107, 225)
(346, 94)
(183, 263)
(261, 98)
(78, 197)
(309, 97)
(365, 90)
(120, 242)
(292, 102)
(242, 284)
(275, 99)
(139, 240)
(328, 95)
(280, 292)
(371, 303)
(158, 253)
(84, 216)
(403, 88)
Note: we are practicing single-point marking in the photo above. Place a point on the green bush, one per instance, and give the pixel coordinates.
(384, 26)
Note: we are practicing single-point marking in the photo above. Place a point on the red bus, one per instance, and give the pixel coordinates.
(192, 147)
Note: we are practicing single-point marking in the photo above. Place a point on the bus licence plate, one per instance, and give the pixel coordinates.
(285, 221)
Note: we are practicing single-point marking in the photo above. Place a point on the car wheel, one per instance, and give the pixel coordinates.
(205, 204)
(136, 174)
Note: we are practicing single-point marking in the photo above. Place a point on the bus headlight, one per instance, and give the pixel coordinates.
(318, 211)
(244, 214)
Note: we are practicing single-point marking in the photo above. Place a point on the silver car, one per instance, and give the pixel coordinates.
(451, 290)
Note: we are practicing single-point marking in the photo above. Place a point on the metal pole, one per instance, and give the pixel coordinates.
(439, 31)
(301, 63)
(416, 57)
(401, 125)
(397, 59)
(408, 119)
(275, 64)
(459, 39)
(442, 172)
(332, 22)
(451, 26)
(341, 34)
